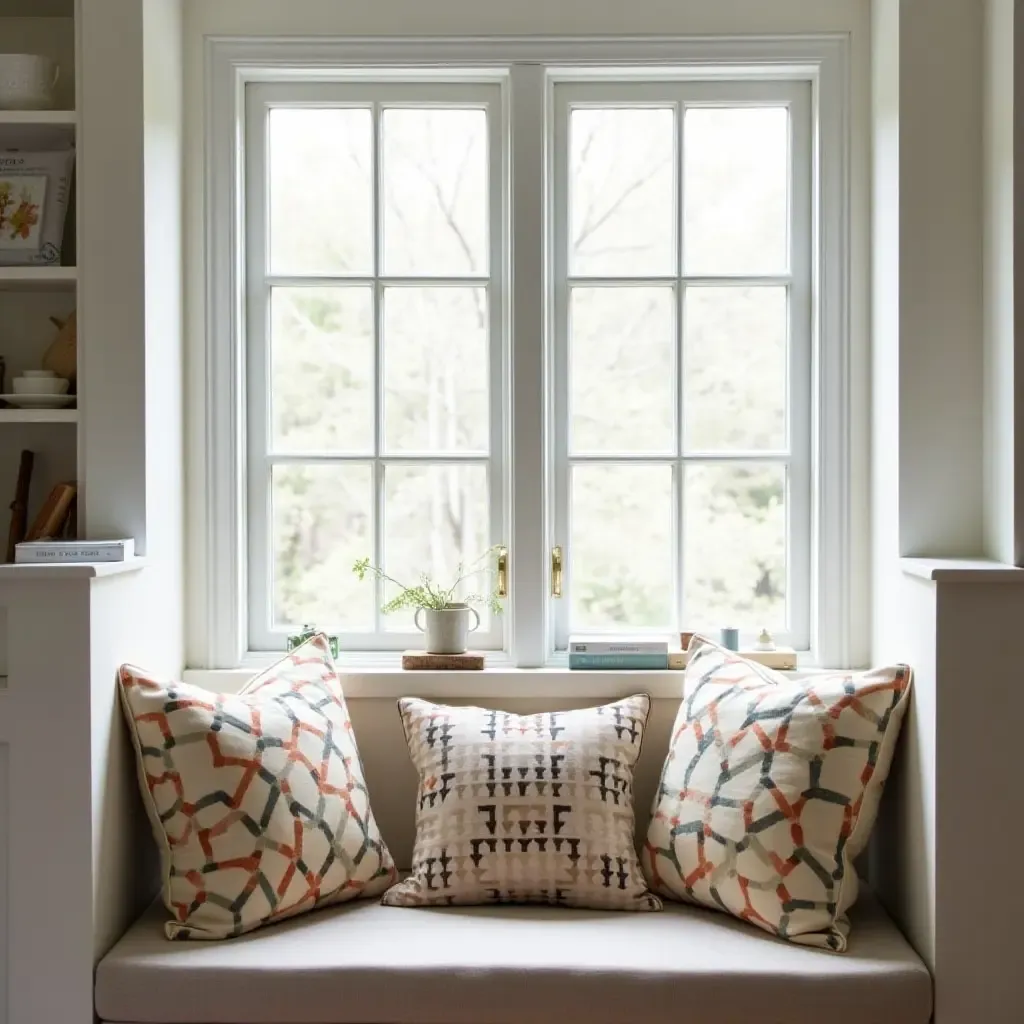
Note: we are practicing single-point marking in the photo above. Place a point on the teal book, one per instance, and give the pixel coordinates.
(618, 661)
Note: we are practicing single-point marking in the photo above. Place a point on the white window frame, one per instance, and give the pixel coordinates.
(569, 92)
(532, 66)
(473, 92)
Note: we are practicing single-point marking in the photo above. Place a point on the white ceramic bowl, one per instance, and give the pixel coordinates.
(39, 373)
(27, 81)
(40, 386)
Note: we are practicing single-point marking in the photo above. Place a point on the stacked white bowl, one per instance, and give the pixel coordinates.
(40, 382)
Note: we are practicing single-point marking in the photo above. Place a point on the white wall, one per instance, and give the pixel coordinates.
(886, 498)
(1002, 506)
(112, 270)
(163, 92)
(131, 297)
(940, 307)
(943, 469)
(525, 17)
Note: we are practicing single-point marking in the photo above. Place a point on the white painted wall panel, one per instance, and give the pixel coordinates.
(112, 281)
(1000, 496)
(524, 17)
(46, 715)
(941, 494)
(5, 832)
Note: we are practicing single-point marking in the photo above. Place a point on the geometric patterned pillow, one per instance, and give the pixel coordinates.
(257, 799)
(525, 808)
(770, 790)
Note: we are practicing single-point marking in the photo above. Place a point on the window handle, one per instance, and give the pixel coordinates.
(502, 572)
(556, 571)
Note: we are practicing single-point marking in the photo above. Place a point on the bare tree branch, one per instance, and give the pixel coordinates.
(590, 227)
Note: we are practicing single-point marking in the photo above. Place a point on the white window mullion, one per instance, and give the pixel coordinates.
(377, 539)
(679, 474)
(256, 368)
(528, 548)
(803, 534)
(560, 525)
(497, 294)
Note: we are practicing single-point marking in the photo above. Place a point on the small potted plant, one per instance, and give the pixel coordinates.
(446, 619)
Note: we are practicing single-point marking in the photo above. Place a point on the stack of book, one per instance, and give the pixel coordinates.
(613, 652)
(625, 652)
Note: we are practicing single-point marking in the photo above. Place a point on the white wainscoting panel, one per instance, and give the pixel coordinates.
(5, 831)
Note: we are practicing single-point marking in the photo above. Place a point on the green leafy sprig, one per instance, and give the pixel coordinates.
(429, 594)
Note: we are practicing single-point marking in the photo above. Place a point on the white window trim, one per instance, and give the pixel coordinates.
(231, 63)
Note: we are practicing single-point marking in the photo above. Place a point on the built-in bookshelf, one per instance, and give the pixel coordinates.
(31, 295)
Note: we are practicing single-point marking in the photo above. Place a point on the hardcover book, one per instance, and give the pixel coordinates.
(68, 551)
(617, 661)
(617, 645)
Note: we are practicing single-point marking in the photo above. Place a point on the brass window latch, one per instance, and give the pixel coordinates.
(503, 572)
(556, 571)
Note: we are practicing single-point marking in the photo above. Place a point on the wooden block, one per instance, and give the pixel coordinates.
(469, 661)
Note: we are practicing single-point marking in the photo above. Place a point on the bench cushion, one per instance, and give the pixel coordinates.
(367, 964)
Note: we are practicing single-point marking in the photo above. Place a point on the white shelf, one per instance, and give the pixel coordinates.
(962, 570)
(38, 416)
(38, 278)
(68, 571)
(46, 117)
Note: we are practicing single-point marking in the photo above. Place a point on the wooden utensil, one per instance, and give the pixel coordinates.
(51, 516)
(19, 507)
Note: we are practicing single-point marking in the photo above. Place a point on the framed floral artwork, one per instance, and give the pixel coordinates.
(22, 199)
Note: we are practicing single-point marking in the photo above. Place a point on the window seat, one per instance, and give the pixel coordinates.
(366, 964)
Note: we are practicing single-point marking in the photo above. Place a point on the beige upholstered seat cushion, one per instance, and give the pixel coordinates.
(770, 790)
(525, 808)
(257, 800)
(366, 964)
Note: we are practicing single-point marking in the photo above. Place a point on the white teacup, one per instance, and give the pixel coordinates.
(41, 386)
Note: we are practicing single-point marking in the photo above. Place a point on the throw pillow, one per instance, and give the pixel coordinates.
(525, 808)
(770, 791)
(257, 800)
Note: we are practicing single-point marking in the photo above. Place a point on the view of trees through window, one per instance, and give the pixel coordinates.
(666, 461)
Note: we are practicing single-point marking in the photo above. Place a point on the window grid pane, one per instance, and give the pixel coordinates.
(752, 320)
(318, 438)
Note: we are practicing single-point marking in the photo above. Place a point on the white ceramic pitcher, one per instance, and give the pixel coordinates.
(446, 629)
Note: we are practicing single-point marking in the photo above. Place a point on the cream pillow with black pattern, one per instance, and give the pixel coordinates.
(525, 808)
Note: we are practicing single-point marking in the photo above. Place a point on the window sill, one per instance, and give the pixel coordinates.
(503, 681)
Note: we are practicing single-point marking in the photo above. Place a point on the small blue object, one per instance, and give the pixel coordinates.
(730, 638)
